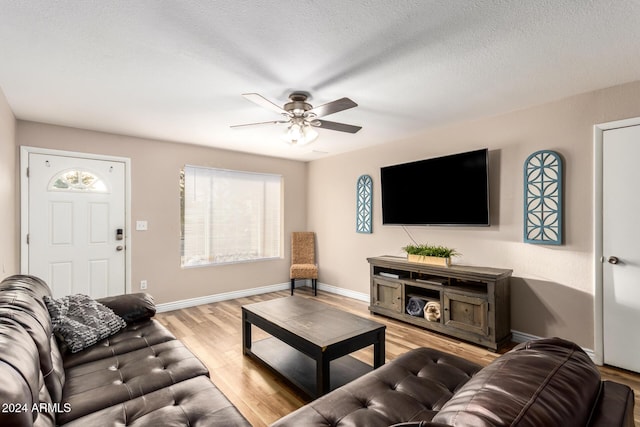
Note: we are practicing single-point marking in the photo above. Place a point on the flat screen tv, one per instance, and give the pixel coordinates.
(448, 190)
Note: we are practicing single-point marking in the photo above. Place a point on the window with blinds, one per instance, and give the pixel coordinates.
(229, 216)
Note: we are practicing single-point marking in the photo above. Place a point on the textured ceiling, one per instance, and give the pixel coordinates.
(175, 70)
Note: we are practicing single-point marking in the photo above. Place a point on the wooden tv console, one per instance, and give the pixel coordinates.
(475, 301)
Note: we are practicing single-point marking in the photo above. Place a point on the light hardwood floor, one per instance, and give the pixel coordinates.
(213, 332)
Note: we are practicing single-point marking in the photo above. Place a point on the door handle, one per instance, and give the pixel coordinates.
(119, 248)
(613, 260)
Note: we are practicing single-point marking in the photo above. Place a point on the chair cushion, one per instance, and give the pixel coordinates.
(80, 322)
(304, 271)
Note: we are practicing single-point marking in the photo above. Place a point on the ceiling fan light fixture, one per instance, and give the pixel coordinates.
(299, 134)
(302, 117)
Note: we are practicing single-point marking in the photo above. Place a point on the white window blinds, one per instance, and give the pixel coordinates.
(229, 216)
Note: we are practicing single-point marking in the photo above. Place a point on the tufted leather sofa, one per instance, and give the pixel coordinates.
(141, 376)
(548, 382)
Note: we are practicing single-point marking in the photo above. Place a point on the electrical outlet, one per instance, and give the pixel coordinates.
(143, 284)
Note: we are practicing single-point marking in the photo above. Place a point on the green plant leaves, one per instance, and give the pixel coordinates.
(430, 250)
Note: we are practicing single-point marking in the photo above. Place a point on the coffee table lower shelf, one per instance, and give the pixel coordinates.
(299, 369)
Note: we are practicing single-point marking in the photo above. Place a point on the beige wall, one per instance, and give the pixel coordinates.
(553, 287)
(155, 169)
(9, 253)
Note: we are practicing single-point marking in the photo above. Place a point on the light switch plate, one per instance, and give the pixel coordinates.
(141, 225)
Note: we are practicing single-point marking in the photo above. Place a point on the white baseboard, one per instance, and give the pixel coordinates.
(343, 292)
(516, 336)
(208, 299)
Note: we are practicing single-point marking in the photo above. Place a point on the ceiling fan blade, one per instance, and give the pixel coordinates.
(264, 102)
(342, 127)
(273, 122)
(333, 107)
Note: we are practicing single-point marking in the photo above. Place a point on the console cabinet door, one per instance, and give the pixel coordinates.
(465, 312)
(387, 294)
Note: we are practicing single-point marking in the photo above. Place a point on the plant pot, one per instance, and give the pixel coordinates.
(430, 260)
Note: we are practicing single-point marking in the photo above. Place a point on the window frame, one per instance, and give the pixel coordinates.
(211, 261)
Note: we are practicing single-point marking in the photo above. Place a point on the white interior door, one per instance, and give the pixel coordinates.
(621, 252)
(76, 217)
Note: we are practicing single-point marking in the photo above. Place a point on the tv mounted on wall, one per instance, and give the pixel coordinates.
(448, 190)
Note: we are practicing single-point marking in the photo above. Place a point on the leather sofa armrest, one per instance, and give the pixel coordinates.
(545, 382)
(131, 307)
(615, 406)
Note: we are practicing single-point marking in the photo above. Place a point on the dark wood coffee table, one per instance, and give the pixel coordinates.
(311, 342)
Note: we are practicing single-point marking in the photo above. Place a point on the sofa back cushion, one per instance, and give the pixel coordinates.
(548, 382)
(29, 284)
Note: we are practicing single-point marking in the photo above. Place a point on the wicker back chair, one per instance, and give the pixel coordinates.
(303, 259)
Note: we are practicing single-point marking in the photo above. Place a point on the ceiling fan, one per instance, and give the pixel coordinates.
(302, 117)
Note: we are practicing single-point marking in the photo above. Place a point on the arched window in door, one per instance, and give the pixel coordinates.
(78, 180)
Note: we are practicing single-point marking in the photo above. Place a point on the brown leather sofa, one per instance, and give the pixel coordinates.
(140, 376)
(548, 382)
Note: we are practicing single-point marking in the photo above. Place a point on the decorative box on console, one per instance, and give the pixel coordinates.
(430, 260)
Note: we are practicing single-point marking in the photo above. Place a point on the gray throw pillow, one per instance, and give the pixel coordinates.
(80, 321)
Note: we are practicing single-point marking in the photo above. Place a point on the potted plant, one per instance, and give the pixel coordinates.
(430, 254)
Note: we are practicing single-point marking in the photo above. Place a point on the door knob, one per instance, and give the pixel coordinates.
(613, 260)
(119, 248)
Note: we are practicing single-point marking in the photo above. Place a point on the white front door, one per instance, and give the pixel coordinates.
(76, 217)
(620, 246)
